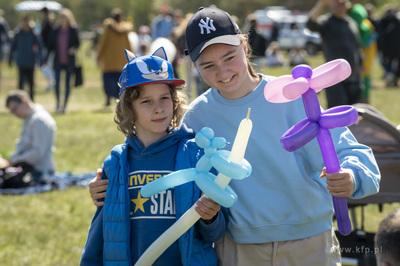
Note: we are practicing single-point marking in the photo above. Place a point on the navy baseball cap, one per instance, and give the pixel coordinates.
(209, 26)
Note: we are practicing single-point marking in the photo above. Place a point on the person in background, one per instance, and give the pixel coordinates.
(274, 55)
(148, 113)
(387, 240)
(4, 39)
(369, 44)
(340, 39)
(114, 38)
(144, 35)
(26, 50)
(389, 43)
(35, 147)
(258, 44)
(64, 43)
(298, 55)
(46, 28)
(163, 24)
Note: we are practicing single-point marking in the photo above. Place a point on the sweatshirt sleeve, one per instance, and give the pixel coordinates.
(214, 231)
(353, 156)
(360, 160)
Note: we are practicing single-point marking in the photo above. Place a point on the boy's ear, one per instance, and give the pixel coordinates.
(160, 52)
(129, 55)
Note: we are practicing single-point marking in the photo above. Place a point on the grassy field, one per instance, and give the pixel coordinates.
(51, 228)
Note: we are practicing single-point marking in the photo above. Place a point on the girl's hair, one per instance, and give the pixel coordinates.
(125, 116)
(244, 39)
(70, 17)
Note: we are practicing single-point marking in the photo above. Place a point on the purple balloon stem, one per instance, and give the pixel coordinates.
(332, 166)
(311, 105)
(328, 150)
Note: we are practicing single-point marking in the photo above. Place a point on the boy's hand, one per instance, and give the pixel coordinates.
(97, 188)
(340, 184)
(207, 208)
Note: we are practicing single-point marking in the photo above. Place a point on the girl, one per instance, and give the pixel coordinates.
(284, 211)
(64, 43)
(148, 113)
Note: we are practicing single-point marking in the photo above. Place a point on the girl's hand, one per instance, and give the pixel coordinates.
(97, 188)
(340, 184)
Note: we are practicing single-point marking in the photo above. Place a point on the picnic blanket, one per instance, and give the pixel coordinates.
(57, 181)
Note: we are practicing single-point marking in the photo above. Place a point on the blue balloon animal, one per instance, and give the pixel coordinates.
(204, 179)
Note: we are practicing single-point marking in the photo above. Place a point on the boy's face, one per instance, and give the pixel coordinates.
(224, 67)
(154, 111)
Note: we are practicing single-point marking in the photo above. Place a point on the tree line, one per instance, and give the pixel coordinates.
(90, 12)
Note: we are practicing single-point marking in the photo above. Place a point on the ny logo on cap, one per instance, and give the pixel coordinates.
(207, 25)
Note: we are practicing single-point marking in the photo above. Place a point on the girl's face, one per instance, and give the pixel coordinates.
(153, 110)
(224, 67)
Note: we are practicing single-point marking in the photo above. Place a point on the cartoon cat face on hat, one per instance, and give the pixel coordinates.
(148, 69)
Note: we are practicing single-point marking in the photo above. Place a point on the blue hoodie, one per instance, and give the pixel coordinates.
(125, 227)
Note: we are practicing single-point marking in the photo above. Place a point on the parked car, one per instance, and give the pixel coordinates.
(294, 33)
(291, 30)
(267, 19)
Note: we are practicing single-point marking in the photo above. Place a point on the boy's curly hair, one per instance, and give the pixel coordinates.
(125, 116)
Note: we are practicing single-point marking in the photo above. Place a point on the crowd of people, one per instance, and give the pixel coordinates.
(50, 44)
(371, 38)
(295, 224)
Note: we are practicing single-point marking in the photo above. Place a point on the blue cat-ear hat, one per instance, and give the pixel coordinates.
(148, 69)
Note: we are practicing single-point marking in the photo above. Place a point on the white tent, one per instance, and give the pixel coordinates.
(37, 5)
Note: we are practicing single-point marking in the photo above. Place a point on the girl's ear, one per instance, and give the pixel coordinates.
(129, 55)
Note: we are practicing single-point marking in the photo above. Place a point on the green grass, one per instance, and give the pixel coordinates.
(51, 228)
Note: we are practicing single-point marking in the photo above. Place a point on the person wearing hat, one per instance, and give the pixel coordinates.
(148, 113)
(284, 211)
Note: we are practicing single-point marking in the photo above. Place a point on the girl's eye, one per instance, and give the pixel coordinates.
(229, 58)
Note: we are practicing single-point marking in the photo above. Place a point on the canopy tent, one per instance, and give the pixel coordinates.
(37, 5)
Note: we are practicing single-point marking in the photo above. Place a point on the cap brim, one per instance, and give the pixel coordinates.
(225, 39)
(172, 82)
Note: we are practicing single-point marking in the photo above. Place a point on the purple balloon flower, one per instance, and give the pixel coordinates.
(306, 82)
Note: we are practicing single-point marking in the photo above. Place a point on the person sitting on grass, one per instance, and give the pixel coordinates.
(34, 149)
